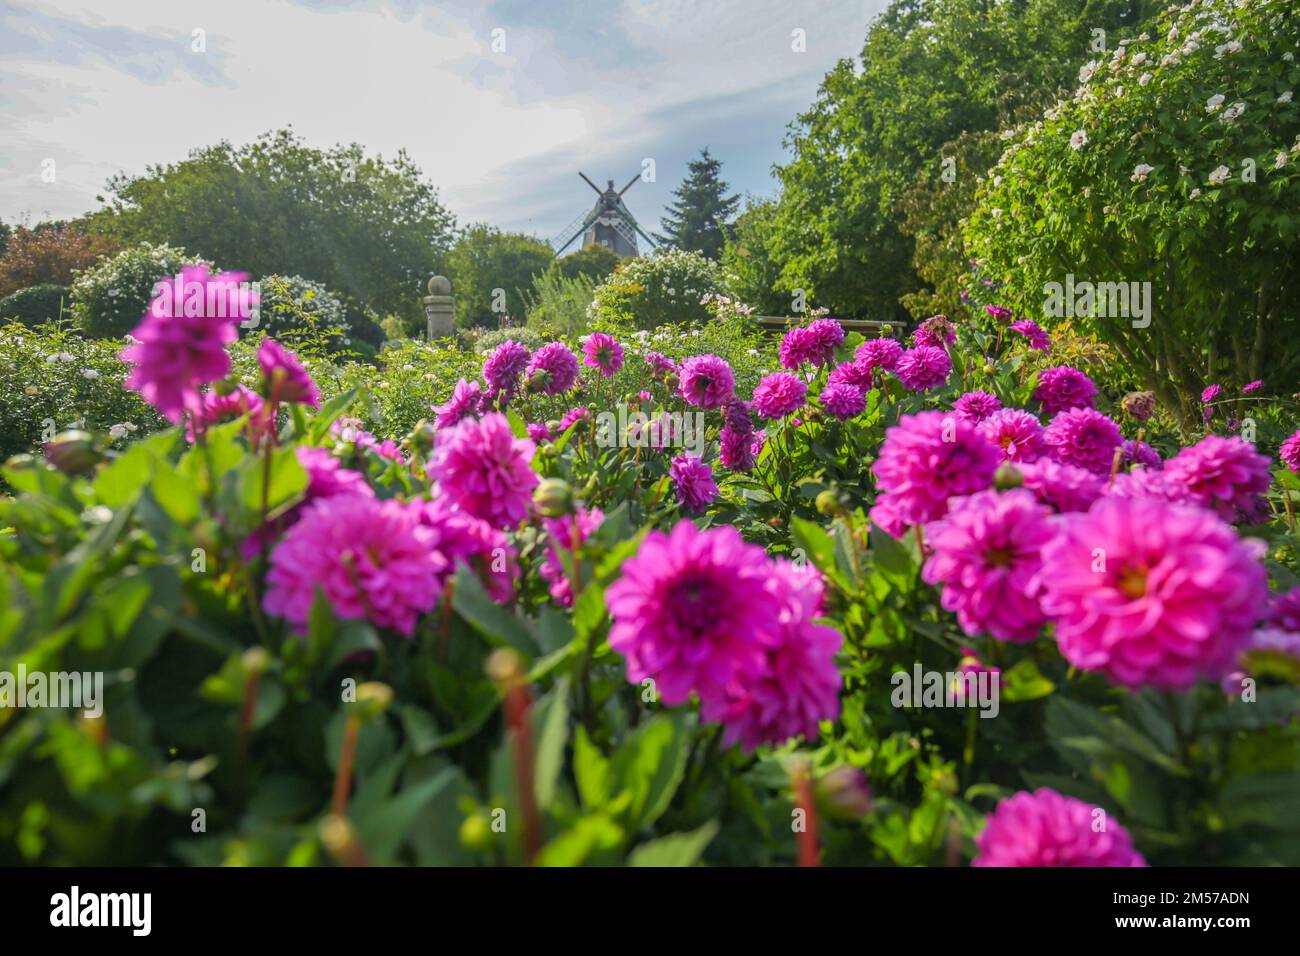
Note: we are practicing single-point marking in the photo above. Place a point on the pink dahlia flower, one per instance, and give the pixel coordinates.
(693, 480)
(1062, 387)
(604, 353)
(706, 381)
(1140, 453)
(1284, 610)
(855, 373)
(829, 335)
(464, 402)
(503, 369)
(1038, 339)
(879, 353)
(1045, 828)
(326, 478)
(886, 514)
(1290, 451)
(800, 684)
(1063, 487)
(215, 408)
(468, 541)
(174, 355)
(988, 558)
(778, 395)
(977, 405)
(552, 370)
(1251, 387)
(1018, 433)
(373, 560)
(573, 416)
(286, 379)
(1211, 393)
(843, 401)
(661, 364)
(937, 331)
(694, 611)
(923, 368)
(538, 432)
(1139, 406)
(1085, 438)
(1152, 594)
(1225, 474)
(999, 313)
(567, 534)
(928, 458)
(484, 469)
(737, 438)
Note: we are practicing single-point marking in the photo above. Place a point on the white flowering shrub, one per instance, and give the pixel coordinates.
(110, 298)
(1176, 162)
(660, 289)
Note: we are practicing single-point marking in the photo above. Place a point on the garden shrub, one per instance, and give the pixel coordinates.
(661, 289)
(37, 304)
(51, 253)
(109, 299)
(560, 303)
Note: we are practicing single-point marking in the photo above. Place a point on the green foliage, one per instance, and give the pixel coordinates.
(931, 70)
(1140, 200)
(50, 253)
(594, 262)
(492, 272)
(659, 290)
(561, 303)
(369, 227)
(110, 299)
(753, 273)
(701, 210)
(36, 304)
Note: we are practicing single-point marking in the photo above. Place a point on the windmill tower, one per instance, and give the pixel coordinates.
(609, 223)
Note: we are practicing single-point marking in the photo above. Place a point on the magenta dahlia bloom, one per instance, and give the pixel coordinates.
(604, 353)
(326, 478)
(538, 432)
(879, 353)
(1211, 393)
(1145, 482)
(468, 541)
(800, 685)
(829, 335)
(1063, 487)
(1038, 339)
(286, 379)
(737, 438)
(988, 559)
(1018, 433)
(464, 402)
(552, 370)
(999, 313)
(484, 470)
(661, 364)
(373, 560)
(1289, 453)
(928, 458)
(1139, 405)
(567, 534)
(174, 355)
(215, 408)
(1152, 594)
(1284, 610)
(1252, 387)
(693, 480)
(843, 401)
(694, 611)
(923, 368)
(1225, 474)
(706, 381)
(503, 369)
(937, 331)
(778, 395)
(1062, 387)
(1045, 828)
(977, 405)
(573, 416)
(1085, 438)
(1140, 453)
(855, 373)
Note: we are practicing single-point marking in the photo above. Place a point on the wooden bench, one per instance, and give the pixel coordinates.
(871, 328)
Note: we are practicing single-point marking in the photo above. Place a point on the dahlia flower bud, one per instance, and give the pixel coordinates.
(554, 426)
(844, 794)
(476, 832)
(830, 503)
(422, 435)
(553, 498)
(73, 452)
(1007, 476)
(373, 699)
(539, 381)
(1139, 405)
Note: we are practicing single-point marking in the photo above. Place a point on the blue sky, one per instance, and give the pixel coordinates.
(596, 85)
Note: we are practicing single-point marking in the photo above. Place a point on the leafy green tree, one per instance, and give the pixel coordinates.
(370, 228)
(595, 262)
(1177, 164)
(698, 219)
(492, 273)
(930, 71)
(753, 273)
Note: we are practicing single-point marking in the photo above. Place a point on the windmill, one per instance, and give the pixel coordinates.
(608, 223)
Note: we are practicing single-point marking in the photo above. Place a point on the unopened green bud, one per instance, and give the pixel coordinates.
(553, 498)
(1007, 476)
(373, 699)
(73, 452)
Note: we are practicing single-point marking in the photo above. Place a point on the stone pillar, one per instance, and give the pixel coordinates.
(439, 310)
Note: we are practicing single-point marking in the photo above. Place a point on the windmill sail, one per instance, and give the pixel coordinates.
(609, 223)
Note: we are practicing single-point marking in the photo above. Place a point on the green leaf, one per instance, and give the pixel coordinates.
(551, 717)
(1025, 682)
(591, 770)
(675, 849)
(498, 625)
(649, 766)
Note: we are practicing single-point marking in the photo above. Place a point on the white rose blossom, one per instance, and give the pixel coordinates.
(1220, 175)
(1140, 172)
(1078, 139)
